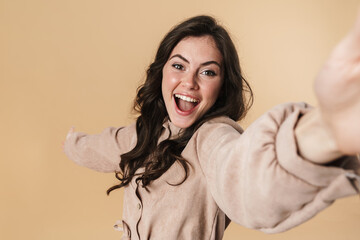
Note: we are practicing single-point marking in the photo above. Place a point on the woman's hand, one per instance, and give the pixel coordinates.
(338, 91)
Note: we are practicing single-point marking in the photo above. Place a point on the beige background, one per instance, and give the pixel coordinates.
(78, 62)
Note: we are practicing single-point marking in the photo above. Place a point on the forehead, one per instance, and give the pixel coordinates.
(196, 49)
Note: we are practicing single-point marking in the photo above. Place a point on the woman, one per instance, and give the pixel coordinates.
(186, 166)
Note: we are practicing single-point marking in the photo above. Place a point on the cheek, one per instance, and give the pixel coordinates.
(213, 91)
(165, 82)
(169, 83)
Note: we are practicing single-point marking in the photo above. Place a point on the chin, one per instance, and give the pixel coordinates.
(182, 123)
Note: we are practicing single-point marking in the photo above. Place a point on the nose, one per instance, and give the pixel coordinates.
(190, 81)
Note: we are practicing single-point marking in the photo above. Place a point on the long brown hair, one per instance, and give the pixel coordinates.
(232, 102)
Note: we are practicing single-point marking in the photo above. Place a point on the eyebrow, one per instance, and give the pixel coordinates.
(203, 64)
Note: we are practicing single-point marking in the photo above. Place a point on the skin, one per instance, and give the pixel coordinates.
(338, 91)
(193, 70)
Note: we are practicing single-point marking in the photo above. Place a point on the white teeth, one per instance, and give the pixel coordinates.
(188, 99)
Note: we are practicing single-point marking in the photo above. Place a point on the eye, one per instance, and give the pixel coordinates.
(209, 73)
(178, 66)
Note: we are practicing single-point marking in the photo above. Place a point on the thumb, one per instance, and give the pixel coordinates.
(356, 28)
(348, 49)
(71, 131)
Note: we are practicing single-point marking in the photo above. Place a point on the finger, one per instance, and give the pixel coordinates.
(357, 24)
(72, 130)
(354, 34)
(348, 49)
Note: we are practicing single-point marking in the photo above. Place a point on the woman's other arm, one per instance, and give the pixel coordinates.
(100, 152)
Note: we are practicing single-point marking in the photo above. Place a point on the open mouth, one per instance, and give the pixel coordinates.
(184, 103)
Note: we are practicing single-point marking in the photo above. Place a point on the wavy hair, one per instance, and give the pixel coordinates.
(234, 101)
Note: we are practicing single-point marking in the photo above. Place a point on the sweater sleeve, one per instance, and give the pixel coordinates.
(100, 152)
(257, 177)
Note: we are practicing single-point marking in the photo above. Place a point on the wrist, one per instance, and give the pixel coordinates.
(315, 139)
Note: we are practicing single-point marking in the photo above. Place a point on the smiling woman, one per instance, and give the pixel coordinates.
(192, 79)
(188, 168)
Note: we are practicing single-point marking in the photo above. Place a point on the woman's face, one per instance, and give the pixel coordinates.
(192, 79)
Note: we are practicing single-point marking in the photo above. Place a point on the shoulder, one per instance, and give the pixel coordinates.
(127, 136)
(222, 122)
(216, 128)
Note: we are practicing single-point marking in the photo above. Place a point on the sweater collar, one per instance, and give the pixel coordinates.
(170, 127)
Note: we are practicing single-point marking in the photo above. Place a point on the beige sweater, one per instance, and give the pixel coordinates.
(254, 178)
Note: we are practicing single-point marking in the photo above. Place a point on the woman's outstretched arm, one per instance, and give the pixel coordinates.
(260, 180)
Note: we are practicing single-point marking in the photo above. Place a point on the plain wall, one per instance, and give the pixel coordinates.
(78, 63)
